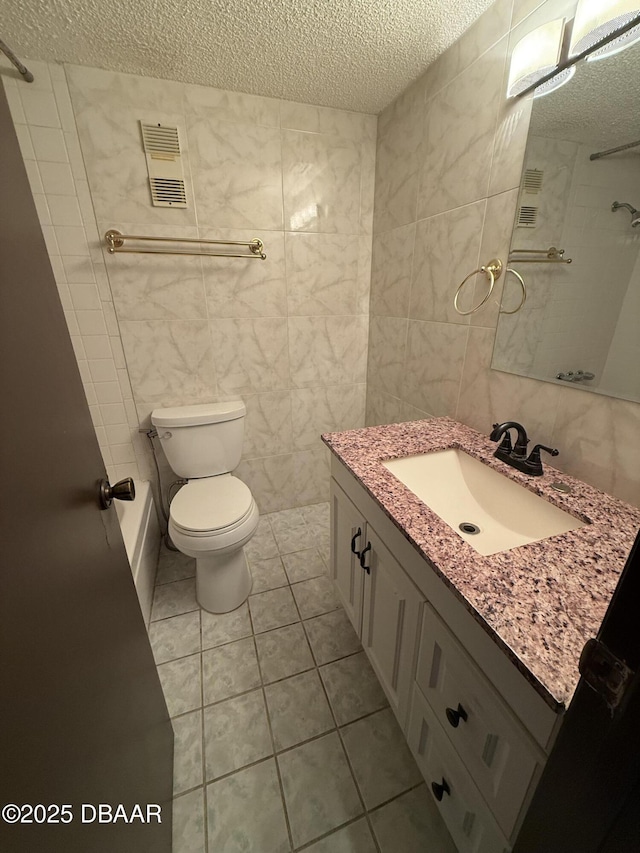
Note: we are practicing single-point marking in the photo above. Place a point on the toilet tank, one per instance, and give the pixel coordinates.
(202, 440)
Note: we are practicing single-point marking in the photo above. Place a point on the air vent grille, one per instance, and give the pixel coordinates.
(167, 191)
(532, 181)
(164, 165)
(527, 216)
(160, 140)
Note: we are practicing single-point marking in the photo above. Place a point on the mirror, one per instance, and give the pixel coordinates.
(580, 323)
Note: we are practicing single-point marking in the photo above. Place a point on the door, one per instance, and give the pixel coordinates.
(390, 623)
(83, 715)
(587, 799)
(348, 529)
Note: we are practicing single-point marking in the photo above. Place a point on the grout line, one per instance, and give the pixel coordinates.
(273, 741)
(203, 750)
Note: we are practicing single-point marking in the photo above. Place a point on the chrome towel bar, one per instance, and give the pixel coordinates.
(115, 243)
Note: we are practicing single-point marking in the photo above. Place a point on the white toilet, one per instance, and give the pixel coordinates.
(214, 515)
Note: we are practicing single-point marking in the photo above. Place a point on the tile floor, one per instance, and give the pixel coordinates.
(283, 737)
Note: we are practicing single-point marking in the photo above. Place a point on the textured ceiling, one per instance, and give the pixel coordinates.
(600, 106)
(350, 54)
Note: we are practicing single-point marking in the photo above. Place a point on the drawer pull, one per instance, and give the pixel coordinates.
(362, 555)
(354, 550)
(440, 790)
(454, 717)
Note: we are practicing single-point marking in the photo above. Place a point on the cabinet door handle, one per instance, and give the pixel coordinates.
(354, 550)
(440, 790)
(364, 551)
(454, 717)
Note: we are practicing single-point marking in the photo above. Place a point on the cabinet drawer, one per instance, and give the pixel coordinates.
(468, 819)
(499, 754)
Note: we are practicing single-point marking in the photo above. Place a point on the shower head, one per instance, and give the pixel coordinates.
(635, 214)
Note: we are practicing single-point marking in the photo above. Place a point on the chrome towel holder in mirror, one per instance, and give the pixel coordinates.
(522, 285)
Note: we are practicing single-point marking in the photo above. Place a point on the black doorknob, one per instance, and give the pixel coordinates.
(440, 790)
(454, 717)
(123, 490)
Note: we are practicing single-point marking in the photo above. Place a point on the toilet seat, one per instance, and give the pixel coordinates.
(211, 505)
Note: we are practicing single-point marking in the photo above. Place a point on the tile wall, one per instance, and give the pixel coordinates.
(48, 138)
(449, 158)
(287, 335)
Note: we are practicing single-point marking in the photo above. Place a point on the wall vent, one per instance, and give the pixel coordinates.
(527, 216)
(529, 201)
(532, 181)
(164, 164)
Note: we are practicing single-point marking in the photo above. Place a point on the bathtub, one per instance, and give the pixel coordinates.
(141, 534)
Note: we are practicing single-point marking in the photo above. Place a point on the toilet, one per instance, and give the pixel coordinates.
(214, 515)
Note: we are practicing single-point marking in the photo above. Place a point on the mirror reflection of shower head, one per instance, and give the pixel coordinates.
(635, 214)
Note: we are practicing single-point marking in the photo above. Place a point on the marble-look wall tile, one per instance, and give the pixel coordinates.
(400, 131)
(269, 479)
(114, 155)
(321, 177)
(318, 410)
(166, 287)
(435, 358)
(240, 107)
(322, 273)
(391, 271)
(242, 155)
(169, 362)
(267, 427)
(598, 441)
(487, 395)
(311, 471)
(496, 240)
(382, 408)
(327, 351)
(250, 354)
(92, 86)
(387, 353)
(314, 119)
(446, 252)
(239, 169)
(458, 136)
(363, 292)
(246, 288)
(367, 184)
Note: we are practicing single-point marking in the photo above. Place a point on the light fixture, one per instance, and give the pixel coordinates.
(555, 82)
(597, 19)
(536, 55)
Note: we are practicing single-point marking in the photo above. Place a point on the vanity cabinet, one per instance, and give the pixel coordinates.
(383, 605)
(478, 730)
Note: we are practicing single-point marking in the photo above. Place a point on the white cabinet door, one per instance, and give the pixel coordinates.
(348, 530)
(390, 623)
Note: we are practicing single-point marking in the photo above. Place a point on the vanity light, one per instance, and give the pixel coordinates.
(535, 56)
(597, 19)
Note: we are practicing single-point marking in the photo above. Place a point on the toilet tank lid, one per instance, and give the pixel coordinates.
(207, 413)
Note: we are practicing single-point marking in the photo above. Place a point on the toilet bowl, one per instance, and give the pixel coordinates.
(214, 515)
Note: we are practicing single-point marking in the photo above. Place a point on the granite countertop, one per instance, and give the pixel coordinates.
(540, 602)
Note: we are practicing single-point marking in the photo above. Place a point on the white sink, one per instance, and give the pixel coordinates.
(462, 490)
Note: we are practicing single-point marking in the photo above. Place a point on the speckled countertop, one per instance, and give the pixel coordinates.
(540, 602)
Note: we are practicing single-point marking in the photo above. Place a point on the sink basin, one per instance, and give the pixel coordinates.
(488, 510)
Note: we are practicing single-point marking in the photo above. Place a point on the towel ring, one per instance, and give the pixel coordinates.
(522, 285)
(493, 270)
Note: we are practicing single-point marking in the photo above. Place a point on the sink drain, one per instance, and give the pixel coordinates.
(468, 527)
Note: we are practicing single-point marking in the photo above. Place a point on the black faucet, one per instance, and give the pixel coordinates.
(516, 456)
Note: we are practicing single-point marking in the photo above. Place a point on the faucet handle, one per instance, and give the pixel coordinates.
(534, 463)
